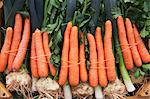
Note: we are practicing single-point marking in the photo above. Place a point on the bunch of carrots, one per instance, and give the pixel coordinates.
(102, 60)
(133, 48)
(40, 55)
(15, 45)
(73, 61)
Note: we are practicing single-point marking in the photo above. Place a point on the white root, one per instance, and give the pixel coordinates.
(19, 82)
(82, 91)
(116, 90)
(34, 80)
(48, 89)
(98, 92)
(67, 92)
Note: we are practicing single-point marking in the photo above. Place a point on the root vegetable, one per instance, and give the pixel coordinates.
(109, 56)
(47, 84)
(65, 56)
(34, 80)
(19, 82)
(33, 61)
(131, 39)
(48, 88)
(101, 63)
(15, 41)
(5, 49)
(82, 90)
(73, 57)
(127, 56)
(145, 56)
(93, 72)
(83, 70)
(17, 63)
(116, 90)
(124, 73)
(47, 52)
(41, 60)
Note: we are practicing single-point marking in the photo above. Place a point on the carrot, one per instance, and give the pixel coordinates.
(41, 59)
(101, 64)
(48, 53)
(124, 43)
(65, 56)
(16, 40)
(145, 56)
(83, 70)
(93, 72)
(131, 39)
(73, 57)
(22, 46)
(108, 52)
(33, 61)
(5, 49)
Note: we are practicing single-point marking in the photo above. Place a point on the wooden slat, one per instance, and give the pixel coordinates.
(4, 93)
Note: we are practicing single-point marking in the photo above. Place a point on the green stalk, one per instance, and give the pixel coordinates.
(46, 7)
(124, 73)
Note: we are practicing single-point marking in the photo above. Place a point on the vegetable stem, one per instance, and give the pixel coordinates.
(67, 91)
(98, 92)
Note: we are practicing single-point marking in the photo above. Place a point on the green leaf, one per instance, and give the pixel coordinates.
(133, 13)
(55, 3)
(146, 6)
(142, 73)
(131, 1)
(57, 59)
(84, 22)
(137, 73)
(59, 24)
(81, 1)
(60, 0)
(146, 68)
(56, 76)
(116, 11)
(51, 27)
(24, 13)
(88, 65)
(144, 33)
(147, 23)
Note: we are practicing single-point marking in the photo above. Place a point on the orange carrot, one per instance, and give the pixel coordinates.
(108, 52)
(65, 56)
(48, 53)
(145, 56)
(15, 41)
(93, 72)
(124, 43)
(41, 59)
(33, 61)
(73, 57)
(83, 70)
(131, 40)
(5, 49)
(22, 47)
(101, 64)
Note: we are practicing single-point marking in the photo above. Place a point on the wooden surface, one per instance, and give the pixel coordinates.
(138, 97)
